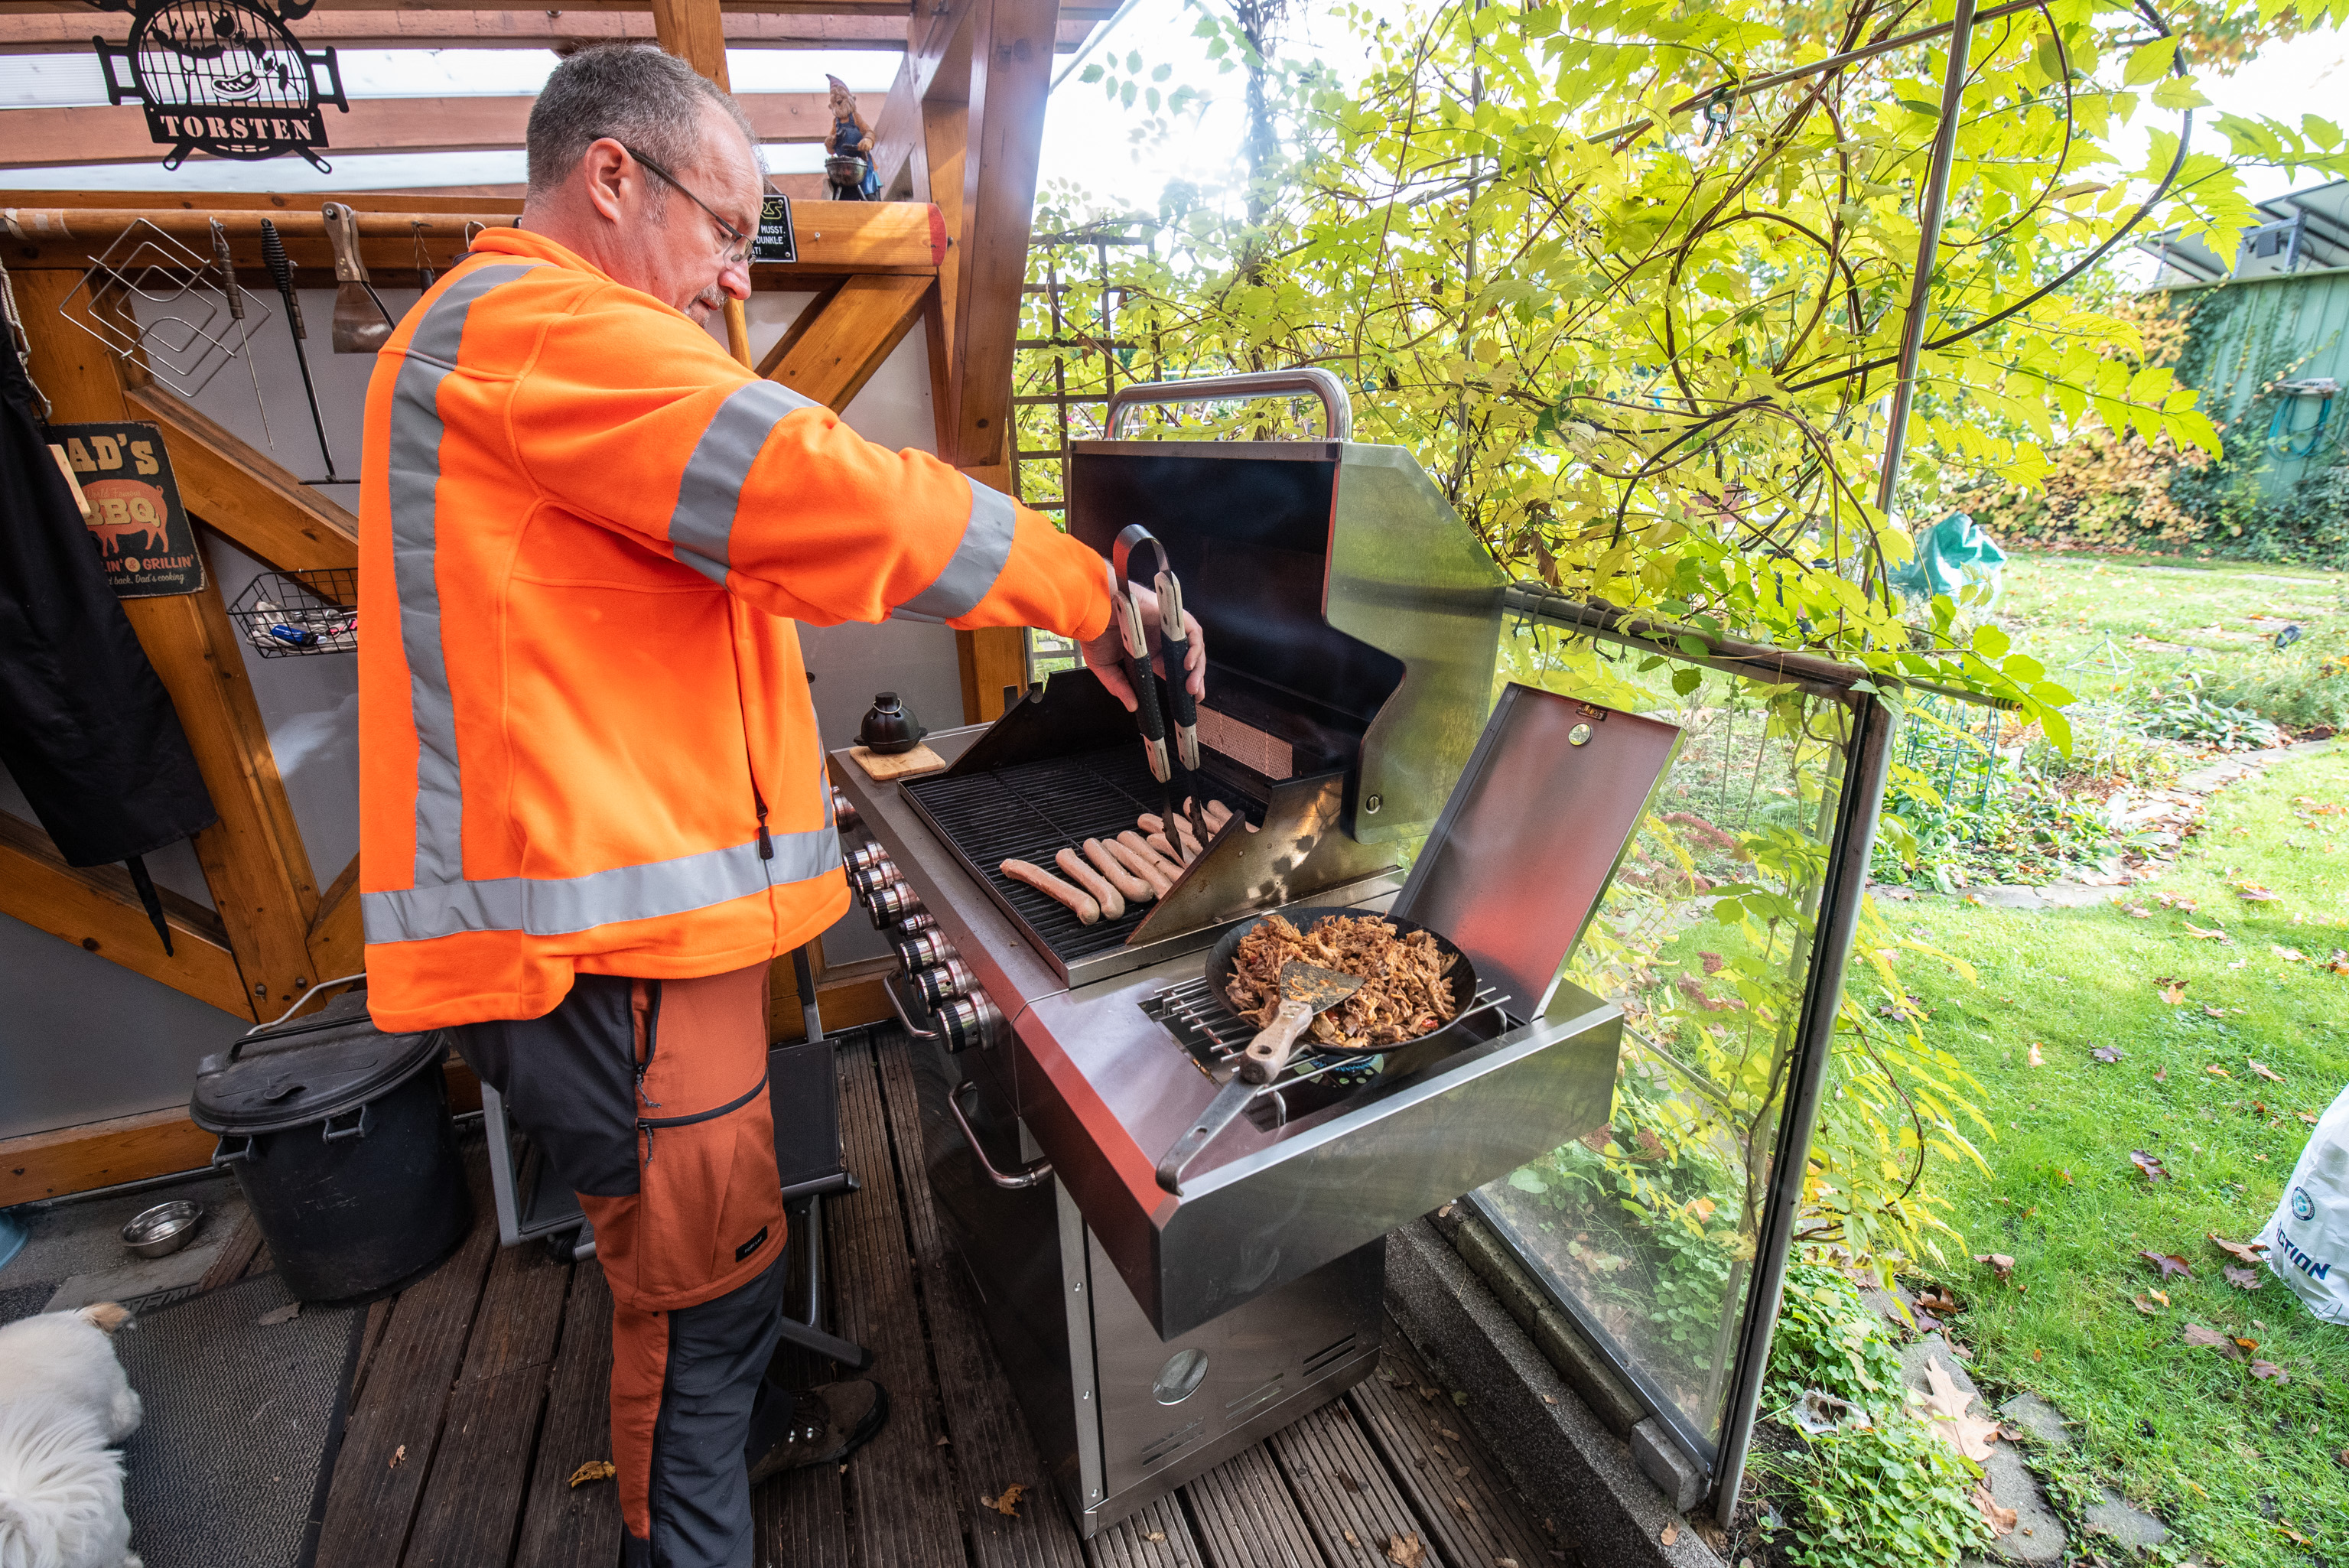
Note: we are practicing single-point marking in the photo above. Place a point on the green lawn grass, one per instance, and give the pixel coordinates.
(2234, 1464)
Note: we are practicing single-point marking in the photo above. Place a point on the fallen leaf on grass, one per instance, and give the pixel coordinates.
(1937, 1298)
(2214, 1012)
(1008, 1504)
(2242, 1279)
(2161, 1075)
(2066, 1174)
(2242, 1252)
(2150, 1164)
(2195, 1333)
(2289, 954)
(2136, 912)
(2172, 990)
(1405, 1550)
(2000, 1520)
(2213, 934)
(2000, 1264)
(2215, 1070)
(594, 1470)
(2034, 1059)
(2169, 1264)
(286, 1313)
(2146, 1306)
(2307, 1116)
(2252, 893)
(2265, 1071)
(2107, 1054)
(2336, 964)
(1970, 1435)
(2269, 1372)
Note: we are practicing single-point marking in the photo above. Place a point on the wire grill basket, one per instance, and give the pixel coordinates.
(294, 614)
(149, 296)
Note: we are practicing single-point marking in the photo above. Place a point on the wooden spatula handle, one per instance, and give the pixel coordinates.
(1268, 1052)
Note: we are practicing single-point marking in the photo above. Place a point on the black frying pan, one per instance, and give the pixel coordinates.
(1233, 1097)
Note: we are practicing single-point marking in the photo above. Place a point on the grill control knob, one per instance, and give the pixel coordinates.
(894, 903)
(924, 950)
(864, 855)
(843, 815)
(969, 1021)
(945, 982)
(869, 880)
(920, 920)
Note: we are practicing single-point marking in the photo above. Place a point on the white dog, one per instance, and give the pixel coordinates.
(64, 1401)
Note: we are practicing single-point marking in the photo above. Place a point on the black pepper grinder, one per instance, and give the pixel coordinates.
(889, 726)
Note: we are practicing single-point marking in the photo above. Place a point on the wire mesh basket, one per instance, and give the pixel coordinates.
(294, 614)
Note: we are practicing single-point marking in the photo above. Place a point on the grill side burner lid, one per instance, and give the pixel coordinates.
(1533, 832)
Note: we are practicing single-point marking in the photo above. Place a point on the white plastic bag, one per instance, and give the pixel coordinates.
(2308, 1240)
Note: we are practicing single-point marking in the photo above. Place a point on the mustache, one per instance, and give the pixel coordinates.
(711, 298)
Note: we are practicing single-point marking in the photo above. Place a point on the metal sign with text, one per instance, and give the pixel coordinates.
(775, 242)
(223, 77)
(144, 536)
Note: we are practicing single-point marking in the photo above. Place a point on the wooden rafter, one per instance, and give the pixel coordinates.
(243, 494)
(95, 908)
(50, 137)
(494, 30)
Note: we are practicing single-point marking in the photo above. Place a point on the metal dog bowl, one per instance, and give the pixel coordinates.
(162, 1230)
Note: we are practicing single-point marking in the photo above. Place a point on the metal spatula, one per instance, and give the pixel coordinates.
(1305, 989)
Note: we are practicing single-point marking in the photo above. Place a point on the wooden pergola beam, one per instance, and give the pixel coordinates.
(95, 909)
(492, 29)
(116, 133)
(55, 229)
(839, 341)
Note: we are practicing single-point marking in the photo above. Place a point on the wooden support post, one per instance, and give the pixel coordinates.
(695, 32)
(1010, 73)
(253, 856)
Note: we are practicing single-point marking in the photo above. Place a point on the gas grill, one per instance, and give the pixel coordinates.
(1351, 625)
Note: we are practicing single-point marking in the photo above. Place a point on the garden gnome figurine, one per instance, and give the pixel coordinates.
(851, 138)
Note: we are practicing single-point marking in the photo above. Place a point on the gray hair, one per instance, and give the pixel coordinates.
(633, 93)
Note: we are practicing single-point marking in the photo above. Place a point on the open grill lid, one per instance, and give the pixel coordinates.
(1541, 818)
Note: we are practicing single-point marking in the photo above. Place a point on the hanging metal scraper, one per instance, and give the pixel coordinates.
(362, 324)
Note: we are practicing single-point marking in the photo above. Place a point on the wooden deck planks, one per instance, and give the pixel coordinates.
(900, 1494)
(1157, 1537)
(482, 1464)
(1347, 1498)
(564, 1526)
(376, 1488)
(1244, 1517)
(991, 1448)
(1453, 1486)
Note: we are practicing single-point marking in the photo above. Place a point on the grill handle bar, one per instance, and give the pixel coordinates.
(889, 989)
(1306, 381)
(1026, 1176)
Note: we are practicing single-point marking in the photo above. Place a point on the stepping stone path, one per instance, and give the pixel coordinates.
(2039, 1535)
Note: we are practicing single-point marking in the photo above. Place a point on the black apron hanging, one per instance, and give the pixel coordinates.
(86, 726)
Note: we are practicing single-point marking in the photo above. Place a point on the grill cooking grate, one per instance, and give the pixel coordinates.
(1031, 811)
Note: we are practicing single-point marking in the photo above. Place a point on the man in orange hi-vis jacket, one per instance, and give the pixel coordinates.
(592, 788)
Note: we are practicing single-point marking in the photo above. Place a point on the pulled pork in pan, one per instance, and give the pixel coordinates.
(1406, 985)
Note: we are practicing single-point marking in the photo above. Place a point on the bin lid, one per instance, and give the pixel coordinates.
(300, 1073)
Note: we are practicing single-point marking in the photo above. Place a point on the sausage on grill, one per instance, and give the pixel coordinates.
(1137, 889)
(1112, 906)
(1079, 904)
(1140, 861)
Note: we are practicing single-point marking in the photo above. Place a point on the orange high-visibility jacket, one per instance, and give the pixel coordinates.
(586, 740)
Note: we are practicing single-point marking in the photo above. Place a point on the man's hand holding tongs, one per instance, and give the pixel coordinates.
(1105, 655)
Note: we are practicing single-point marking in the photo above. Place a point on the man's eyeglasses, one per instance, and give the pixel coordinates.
(736, 251)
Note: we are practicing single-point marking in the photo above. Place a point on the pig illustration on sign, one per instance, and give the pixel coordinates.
(127, 507)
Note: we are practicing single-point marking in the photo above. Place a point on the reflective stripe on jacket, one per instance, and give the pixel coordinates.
(587, 743)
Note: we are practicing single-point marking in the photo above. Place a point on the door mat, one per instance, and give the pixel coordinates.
(243, 1416)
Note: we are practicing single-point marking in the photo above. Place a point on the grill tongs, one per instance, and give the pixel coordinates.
(1176, 648)
(1305, 989)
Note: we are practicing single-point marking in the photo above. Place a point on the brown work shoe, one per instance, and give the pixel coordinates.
(826, 1425)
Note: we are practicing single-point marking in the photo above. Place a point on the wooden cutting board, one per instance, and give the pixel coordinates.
(903, 765)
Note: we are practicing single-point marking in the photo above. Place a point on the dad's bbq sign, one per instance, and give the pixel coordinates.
(223, 77)
(143, 535)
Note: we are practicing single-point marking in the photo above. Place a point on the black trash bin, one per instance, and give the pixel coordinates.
(340, 1136)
